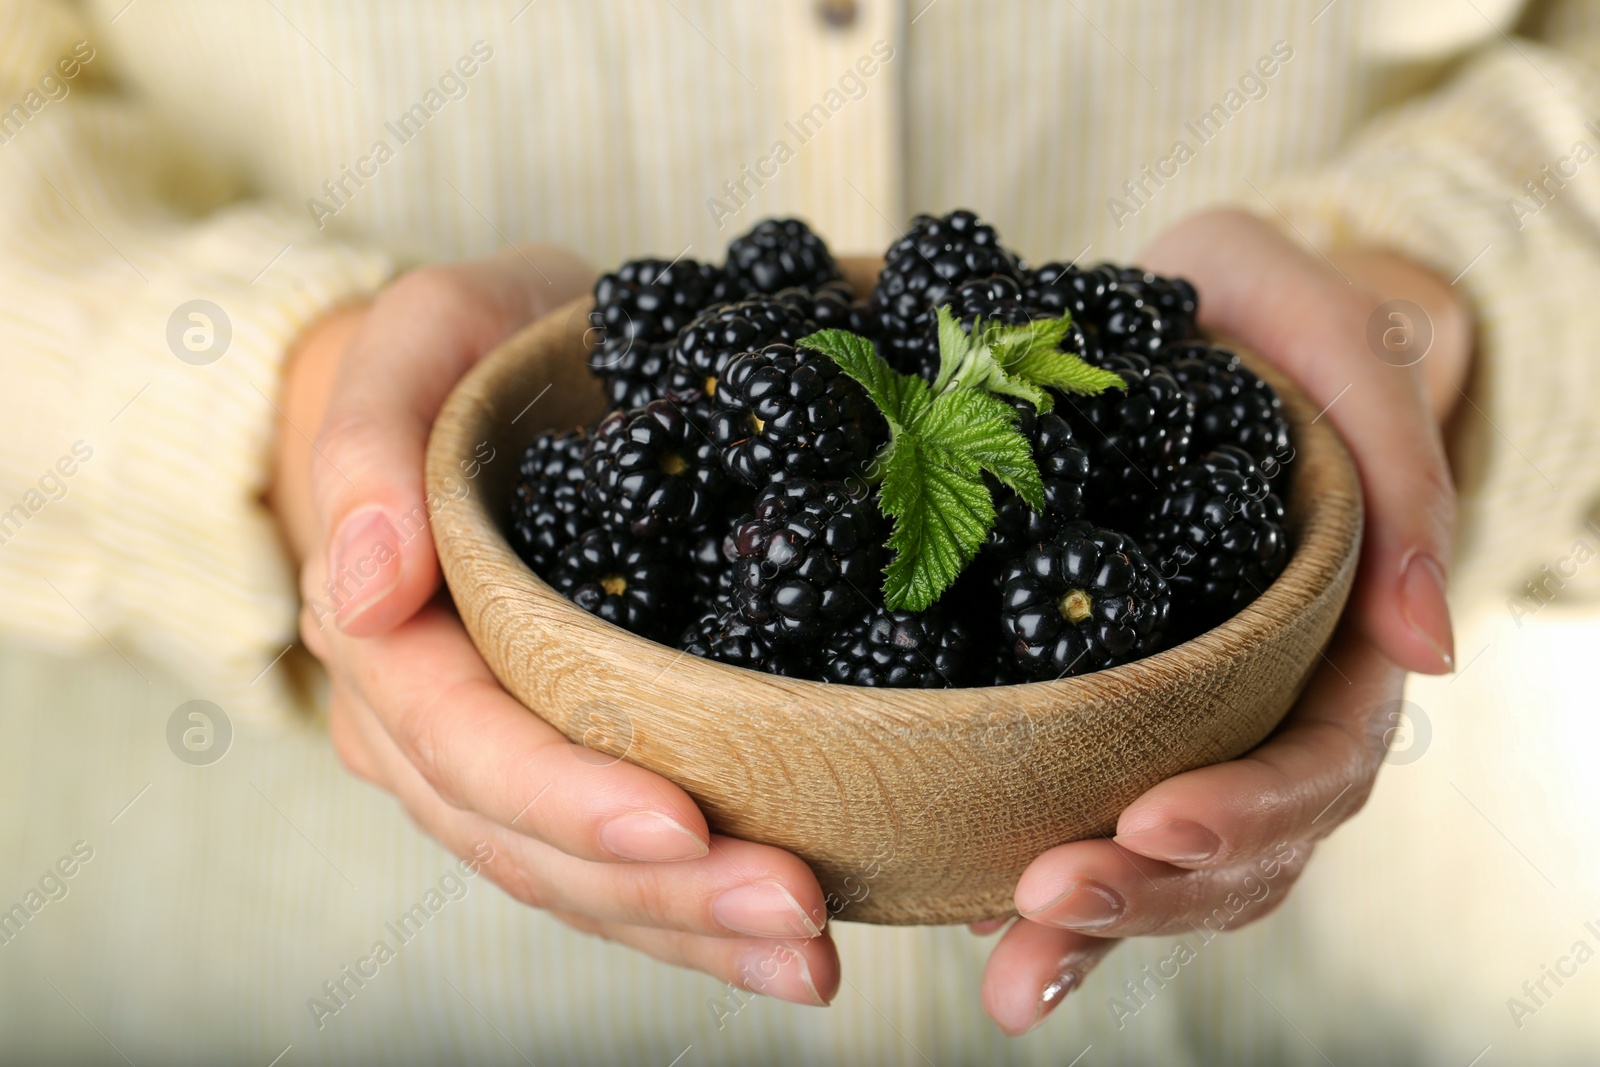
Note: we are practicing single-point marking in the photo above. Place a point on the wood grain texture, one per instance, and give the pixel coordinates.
(913, 807)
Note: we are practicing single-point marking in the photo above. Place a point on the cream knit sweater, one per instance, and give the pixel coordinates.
(186, 186)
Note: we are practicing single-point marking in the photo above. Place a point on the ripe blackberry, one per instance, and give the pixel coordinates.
(547, 507)
(1174, 299)
(922, 268)
(1232, 405)
(721, 633)
(1064, 467)
(899, 650)
(833, 307)
(806, 556)
(1118, 309)
(778, 254)
(1142, 312)
(1136, 437)
(637, 309)
(653, 472)
(791, 413)
(1085, 600)
(1059, 288)
(1218, 537)
(621, 578)
(702, 351)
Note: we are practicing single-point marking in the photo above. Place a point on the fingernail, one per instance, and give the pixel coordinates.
(1085, 906)
(1054, 992)
(365, 564)
(987, 926)
(1427, 612)
(652, 836)
(1179, 841)
(763, 909)
(780, 971)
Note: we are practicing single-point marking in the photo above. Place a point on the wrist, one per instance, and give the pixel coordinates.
(308, 378)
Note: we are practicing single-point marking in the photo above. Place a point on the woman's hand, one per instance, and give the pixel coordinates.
(1219, 847)
(606, 846)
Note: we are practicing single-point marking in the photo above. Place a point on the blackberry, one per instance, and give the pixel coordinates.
(922, 268)
(722, 634)
(621, 578)
(779, 254)
(995, 298)
(833, 307)
(1141, 312)
(1232, 405)
(805, 557)
(1059, 288)
(787, 413)
(1064, 467)
(653, 472)
(1175, 300)
(637, 309)
(1217, 535)
(898, 650)
(702, 351)
(547, 508)
(1135, 436)
(1117, 309)
(1085, 600)
(712, 574)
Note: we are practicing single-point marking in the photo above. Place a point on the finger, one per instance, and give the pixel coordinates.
(988, 926)
(1316, 331)
(421, 335)
(739, 888)
(801, 972)
(344, 733)
(479, 749)
(1099, 889)
(1310, 776)
(1034, 968)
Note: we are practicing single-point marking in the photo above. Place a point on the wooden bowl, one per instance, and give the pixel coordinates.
(912, 806)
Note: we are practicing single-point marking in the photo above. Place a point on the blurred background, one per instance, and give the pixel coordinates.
(186, 900)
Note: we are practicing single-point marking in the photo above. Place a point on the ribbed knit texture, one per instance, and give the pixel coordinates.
(228, 152)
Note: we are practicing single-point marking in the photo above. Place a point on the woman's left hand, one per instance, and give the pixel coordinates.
(1220, 847)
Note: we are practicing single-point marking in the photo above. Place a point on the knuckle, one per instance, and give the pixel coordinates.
(521, 883)
(422, 728)
(310, 625)
(347, 742)
(652, 902)
(346, 433)
(440, 291)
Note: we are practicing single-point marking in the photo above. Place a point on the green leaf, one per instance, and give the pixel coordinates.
(942, 516)
(1030, 352)
(885, 387)
(967, 362)
(969, 430)
(942, 440)
(955, 348)
(1066, 372)
(1013, 343)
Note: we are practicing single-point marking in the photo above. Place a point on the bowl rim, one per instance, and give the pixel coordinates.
(469, 537)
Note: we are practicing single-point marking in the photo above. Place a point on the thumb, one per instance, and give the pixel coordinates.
(1310, 320)
(420, 336)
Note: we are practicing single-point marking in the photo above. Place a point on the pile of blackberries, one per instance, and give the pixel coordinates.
(726, 505)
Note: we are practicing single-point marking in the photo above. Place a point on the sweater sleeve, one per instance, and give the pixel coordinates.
(1487, 180)
(149, 304)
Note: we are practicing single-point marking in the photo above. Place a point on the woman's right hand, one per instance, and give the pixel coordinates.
(608, 847)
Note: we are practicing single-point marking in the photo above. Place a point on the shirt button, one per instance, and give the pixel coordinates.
(838, 14)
